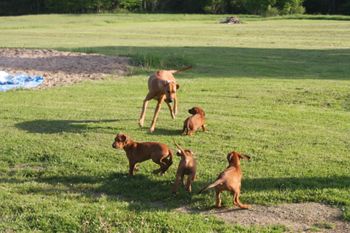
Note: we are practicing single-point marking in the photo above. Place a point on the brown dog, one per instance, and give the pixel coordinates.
(138, 152)
(194, 122)
(162, 87)
(230, 180)
(187, 166)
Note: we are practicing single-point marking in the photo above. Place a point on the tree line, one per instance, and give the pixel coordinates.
(261, 7)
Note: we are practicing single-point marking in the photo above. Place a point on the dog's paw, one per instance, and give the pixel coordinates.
(151, 130)
(245, 206)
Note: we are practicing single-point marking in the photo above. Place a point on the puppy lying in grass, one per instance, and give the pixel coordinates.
(187, 166)
(137, 152)
(230, 180)
(194, 122)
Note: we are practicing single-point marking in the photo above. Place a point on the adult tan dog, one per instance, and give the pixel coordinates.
(137, 152)
(162, 87)
(187, 166)
(230, 180)
(194, 122)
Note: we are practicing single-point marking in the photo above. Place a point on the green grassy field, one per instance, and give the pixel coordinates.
(278, 89)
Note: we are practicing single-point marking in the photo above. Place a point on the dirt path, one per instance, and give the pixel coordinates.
(297, 217)
(61, 68)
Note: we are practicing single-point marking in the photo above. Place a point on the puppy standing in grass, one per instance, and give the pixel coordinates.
(138, 152)
(194, 122)
(230, 180)
(187, 166)
(162, 86)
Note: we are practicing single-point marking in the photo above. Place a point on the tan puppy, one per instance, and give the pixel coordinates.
(187, 166)
(162, 87)
(138, 152)
(230, 180)
(194, 122)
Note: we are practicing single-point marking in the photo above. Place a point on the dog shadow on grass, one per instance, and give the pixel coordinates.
(69, 126)
(140, 191)
(151, 192)
(166, 132)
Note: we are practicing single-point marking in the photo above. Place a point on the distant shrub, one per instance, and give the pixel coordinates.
(271, 11)
(130, 5)
(287, 7)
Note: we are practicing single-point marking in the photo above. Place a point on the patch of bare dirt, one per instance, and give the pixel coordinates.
(61, 68)
(298, 217)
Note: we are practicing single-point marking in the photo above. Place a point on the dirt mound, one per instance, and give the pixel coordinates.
(299, 217)
(60, 68)
(231, 20)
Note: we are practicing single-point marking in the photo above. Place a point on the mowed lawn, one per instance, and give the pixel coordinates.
(277, 89)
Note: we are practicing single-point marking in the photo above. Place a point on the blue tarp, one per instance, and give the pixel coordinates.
(8, 82)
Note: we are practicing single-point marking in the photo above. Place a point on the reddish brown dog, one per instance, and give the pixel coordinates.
(230, 180)
(138, 152)
(194, 122)
(187, 166)
(162, 87)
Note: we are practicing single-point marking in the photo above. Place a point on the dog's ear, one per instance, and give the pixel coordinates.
(229, 157)
(166, 83)
(192, 111)
(177, 86)
(197, 110)
(122, 137)
(242, 156)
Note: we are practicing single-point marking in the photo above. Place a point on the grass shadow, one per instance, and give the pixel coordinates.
(60, 126)
(232, 62)
(295, 183)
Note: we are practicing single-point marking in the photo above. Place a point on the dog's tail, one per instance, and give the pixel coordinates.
(216, 183)
(181, 70)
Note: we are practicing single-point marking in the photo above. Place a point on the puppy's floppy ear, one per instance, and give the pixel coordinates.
(122, 137)
(177, 86)
(229, 157)
(192, 111)
(197, 110)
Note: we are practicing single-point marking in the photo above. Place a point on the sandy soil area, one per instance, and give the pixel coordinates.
(61, 68)
(297, 217)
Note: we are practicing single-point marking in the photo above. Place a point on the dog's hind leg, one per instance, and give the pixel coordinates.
(189, 183)
(218, 199)
(236, 201)
(168, 161)
(177, 183)
(131, 168)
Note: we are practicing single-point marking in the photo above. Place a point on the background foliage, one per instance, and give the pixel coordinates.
(262, 7)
